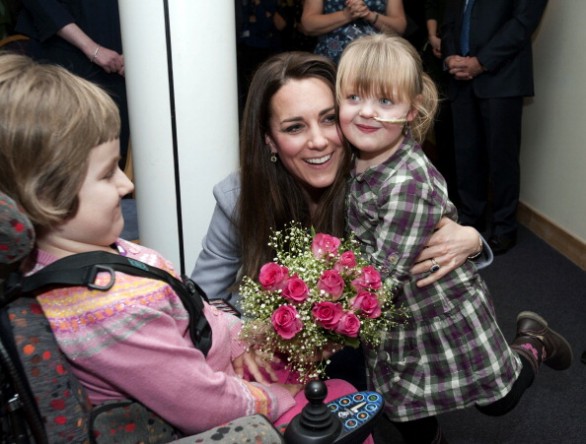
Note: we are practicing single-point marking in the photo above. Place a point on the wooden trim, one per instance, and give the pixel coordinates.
(557, 237)
(13, 38)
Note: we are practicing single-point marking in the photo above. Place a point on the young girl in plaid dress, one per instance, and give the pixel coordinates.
(450, 353)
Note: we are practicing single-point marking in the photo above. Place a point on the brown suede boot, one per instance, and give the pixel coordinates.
(540, 344)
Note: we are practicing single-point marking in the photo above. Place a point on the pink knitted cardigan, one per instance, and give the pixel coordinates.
(133, 342)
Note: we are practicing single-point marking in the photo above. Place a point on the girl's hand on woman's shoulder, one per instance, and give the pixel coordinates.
(449, 247)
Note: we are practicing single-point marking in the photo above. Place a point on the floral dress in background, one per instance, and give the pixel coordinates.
(333, 43)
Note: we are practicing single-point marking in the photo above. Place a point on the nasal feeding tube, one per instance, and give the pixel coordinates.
(391, 120)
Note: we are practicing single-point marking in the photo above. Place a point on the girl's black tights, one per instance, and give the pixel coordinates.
(508, 403)
(419, 431)
(427, 430)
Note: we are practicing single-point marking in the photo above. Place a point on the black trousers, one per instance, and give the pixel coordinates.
(487, 140)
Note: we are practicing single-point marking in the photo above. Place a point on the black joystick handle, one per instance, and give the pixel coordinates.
(316, 424)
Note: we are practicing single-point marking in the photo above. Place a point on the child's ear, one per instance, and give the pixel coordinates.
(412, 114)
(413, 110)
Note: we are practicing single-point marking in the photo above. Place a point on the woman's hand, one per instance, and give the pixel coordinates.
(110, 61)
(255, 363)
(357, 8)
(436, 45)
(449, 247)
(107, 59)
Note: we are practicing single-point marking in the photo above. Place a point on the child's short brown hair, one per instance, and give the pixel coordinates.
(50, 119)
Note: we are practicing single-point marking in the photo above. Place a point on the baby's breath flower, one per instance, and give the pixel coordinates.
(310, 331)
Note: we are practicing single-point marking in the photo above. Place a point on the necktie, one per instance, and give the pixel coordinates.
(465, 34)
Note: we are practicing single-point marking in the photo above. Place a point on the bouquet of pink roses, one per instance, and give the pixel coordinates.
(317, 295)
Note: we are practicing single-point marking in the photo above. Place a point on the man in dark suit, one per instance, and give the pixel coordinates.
(486, 47)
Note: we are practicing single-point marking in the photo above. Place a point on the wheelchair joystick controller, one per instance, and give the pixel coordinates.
(316, 424)
(345, 420)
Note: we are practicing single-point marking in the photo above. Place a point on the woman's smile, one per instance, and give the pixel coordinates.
(319, 160)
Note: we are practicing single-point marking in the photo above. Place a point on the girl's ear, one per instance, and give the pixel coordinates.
(412, 114)
(413, 110)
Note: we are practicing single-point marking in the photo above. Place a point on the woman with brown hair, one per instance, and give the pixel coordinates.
(293, 166)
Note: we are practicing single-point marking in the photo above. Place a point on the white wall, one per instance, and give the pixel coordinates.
(553, 153)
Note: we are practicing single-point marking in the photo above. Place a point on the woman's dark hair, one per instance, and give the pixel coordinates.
(270, 196)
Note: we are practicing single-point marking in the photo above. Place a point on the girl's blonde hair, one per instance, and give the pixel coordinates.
(389, 66)
(50, 120)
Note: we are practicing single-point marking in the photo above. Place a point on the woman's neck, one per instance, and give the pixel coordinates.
(313, 196)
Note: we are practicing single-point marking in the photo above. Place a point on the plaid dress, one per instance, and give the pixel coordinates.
(450, 353)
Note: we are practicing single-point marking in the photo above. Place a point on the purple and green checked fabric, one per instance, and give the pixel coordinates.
(451, 353)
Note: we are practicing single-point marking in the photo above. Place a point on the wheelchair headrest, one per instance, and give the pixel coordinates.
(17, 236)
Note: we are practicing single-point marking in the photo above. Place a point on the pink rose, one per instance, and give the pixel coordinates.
(346, 262)
(324, 245)
(272, 276)
(327, 314)
(332, 283)
(349, 325)
(367, 303)
(369, 279)
(295, 289)
(286, 322)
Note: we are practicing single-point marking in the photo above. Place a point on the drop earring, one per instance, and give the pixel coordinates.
(274, 157)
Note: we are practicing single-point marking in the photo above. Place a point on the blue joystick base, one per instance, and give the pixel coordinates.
(357, 413)
(345, 420)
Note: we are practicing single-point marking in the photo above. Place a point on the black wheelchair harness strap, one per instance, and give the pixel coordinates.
(81, 270)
